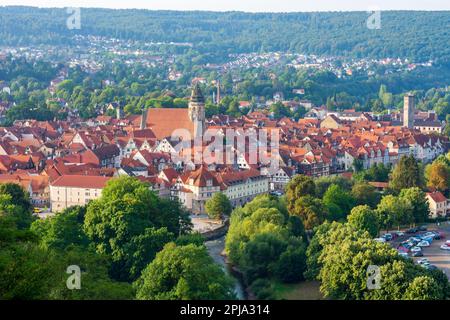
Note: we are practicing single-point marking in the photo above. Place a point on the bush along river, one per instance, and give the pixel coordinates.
(215, 249)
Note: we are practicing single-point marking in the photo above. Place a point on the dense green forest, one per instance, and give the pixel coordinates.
(417, 35)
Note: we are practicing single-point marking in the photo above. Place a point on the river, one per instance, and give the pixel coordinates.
(215, 248)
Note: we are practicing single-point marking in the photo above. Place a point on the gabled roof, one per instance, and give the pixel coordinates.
(437, 196)
(78, 181)
(164, 121)
(200, 178)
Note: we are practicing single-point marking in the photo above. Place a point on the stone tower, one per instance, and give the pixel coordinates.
(143, 124)
(119, 111)
(197, 111)
(408, 111)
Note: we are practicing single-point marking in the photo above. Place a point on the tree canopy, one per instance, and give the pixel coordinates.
(183, 273)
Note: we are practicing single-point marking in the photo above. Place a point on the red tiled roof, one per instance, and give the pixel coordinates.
(77, 181)
(163, 121)
(437, 196)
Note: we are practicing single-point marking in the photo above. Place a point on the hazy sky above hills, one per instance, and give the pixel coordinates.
(245, 5)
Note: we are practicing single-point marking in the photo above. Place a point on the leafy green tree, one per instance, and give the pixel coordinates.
(310, 210)
(291, 264)
(406, 174)
(365, 194)
(438, 176)
(344, 266)
(27, 272)
(219, 206)
(261, 255)
(183, 273)
(357, 165)
(126, 210)
(95, 281)
(144, 248)
(423, 288)
(395, 277)
(15, 202)
(338, 201)
(62, 230)
(365, 219)
(323, 183)
(262, 239)
(346, 256)
(394, 211)
(315, 247)
(191, 238)
(299, 186)
(416, 198)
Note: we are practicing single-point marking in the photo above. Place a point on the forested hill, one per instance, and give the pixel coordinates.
(417, 35)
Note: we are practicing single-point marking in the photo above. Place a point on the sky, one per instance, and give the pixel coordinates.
(244, 5)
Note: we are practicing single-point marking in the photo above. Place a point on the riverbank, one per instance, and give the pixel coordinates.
(215, 248)
(214, 232)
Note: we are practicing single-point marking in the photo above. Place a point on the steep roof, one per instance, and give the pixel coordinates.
(200, 178)
(437, 196)
(78, 181)
(164, 121)
(197, 95)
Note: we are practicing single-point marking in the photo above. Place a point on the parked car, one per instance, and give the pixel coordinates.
(423, 244)
(403, 254)
(447, 242)
(445, 247)
(422, 228)
(387, 237)
(423, 260)
(417, 254)
(428, 239)
(416, 249)
(431, 267)
(437, 235)
(400, 233)
(381, 240)
(412, 230)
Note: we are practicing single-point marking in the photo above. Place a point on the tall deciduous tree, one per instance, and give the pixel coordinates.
(311, 211)
(339, 202)
(127, 216)
(406, 174)
(423, 288)
(416, 198)
(365, 194)
(299, 186)
(218, 206)
(394, 211)
(183, 273)
(15, 202)
(438, 176)
(365, 219)
(62, 230)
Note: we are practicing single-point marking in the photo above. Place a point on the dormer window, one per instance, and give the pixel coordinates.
(209, 182)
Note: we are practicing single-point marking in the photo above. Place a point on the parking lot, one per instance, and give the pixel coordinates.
(436, 256)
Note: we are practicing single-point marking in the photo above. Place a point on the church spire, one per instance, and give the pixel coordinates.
(197, 95)
(197, 110)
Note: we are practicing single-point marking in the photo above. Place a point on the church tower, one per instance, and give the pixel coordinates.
(408, 111)
(197, 111)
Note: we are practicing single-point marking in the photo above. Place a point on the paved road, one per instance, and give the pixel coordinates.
(440, 258)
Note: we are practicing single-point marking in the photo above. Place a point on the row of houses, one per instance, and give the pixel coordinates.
(66, 163)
